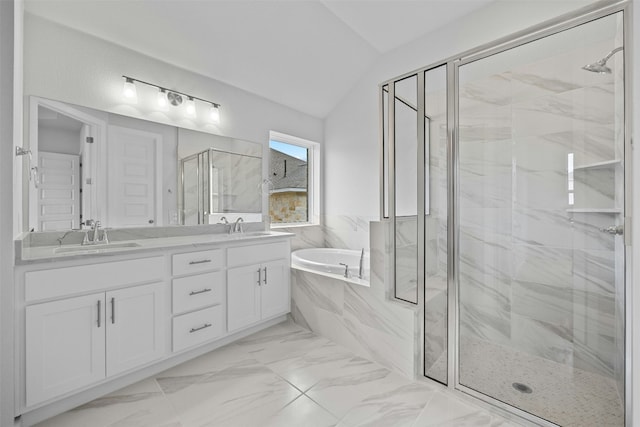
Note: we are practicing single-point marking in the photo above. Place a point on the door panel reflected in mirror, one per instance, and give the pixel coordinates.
(127, 172)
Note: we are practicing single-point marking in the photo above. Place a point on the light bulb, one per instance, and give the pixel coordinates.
(214, 113)
(191, 107)
(162, 98)
(129, 90)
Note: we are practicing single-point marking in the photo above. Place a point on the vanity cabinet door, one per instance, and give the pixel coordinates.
(65, 346)
(243, 296)
(275, 288)
(135, 327)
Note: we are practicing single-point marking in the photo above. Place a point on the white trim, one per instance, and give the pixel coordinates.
(313, 184)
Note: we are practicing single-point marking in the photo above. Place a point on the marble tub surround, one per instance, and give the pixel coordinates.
(334, 231)
(37, 247)
(330, 262)
(304, 237)
(282, 376)
(362, 319)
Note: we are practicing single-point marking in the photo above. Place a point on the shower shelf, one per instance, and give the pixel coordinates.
(595, 210)
(598, 165)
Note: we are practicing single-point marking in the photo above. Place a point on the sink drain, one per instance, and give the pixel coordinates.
(522, 388)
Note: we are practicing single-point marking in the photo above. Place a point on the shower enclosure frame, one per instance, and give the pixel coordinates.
(387, 200)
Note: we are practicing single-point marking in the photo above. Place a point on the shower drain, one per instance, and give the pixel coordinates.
(522, 388)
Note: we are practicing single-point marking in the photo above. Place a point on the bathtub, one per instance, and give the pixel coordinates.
(326, 262)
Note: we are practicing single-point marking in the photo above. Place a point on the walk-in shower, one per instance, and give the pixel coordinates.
(504, 181)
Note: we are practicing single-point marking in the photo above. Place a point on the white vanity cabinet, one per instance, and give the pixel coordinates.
(198, 299)
(90, 325)
(74, 341)
(257, 283)
(134, 327)
(77, 341)
(65, 346)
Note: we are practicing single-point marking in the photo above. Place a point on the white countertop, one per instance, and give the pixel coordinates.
(70, 252)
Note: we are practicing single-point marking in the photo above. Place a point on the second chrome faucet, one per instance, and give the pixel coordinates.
(95, 239)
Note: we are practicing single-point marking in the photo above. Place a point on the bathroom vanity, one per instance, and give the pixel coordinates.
(94, 319)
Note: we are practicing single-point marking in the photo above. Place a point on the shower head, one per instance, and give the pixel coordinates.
(600, 66)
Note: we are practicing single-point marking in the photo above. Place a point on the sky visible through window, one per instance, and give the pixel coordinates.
(290, 149)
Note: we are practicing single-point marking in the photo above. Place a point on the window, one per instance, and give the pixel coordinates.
(294, 176)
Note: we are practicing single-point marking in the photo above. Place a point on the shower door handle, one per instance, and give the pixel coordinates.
(613, 229)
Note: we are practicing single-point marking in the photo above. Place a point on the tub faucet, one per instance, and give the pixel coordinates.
(361, 267)
(237, 226)
(346, 270)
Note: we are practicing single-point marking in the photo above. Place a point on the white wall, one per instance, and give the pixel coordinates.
(62, 141)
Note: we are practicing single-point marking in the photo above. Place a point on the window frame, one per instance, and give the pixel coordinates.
(313, 178)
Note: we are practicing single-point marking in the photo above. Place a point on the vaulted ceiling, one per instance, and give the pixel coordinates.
(303, 54)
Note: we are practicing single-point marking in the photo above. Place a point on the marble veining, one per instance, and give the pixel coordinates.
(323, 385)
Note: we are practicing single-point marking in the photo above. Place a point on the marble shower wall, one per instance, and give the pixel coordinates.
(536, 273)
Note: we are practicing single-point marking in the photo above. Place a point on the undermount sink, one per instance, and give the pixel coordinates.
(95, 248)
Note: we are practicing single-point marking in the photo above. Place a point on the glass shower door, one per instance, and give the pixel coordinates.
(540, 209)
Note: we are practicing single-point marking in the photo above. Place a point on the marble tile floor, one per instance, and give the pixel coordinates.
(282, 376)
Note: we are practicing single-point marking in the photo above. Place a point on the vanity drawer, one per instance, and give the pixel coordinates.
(193, 292)
(196, 262)
(197, 327)
(245, 255)
(58, 282)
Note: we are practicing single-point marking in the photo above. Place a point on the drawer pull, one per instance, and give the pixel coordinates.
(113, 310)
(199, 292)
(206, 325)
(259, 277)
(202, 261)
(265, 275)
(99, 315)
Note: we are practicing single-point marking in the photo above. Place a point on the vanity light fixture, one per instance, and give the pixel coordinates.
(169, 96)
(162, 98)
(191, 107)
(129, 90)
(214, 113)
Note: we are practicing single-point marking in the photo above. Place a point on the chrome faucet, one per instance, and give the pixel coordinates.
(95, 237)
(361, 268)
(237, 226)
(223, 220)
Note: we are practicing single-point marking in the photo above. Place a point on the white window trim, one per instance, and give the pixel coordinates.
(313, 185)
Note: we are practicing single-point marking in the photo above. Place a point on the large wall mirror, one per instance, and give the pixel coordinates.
(87, 164)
